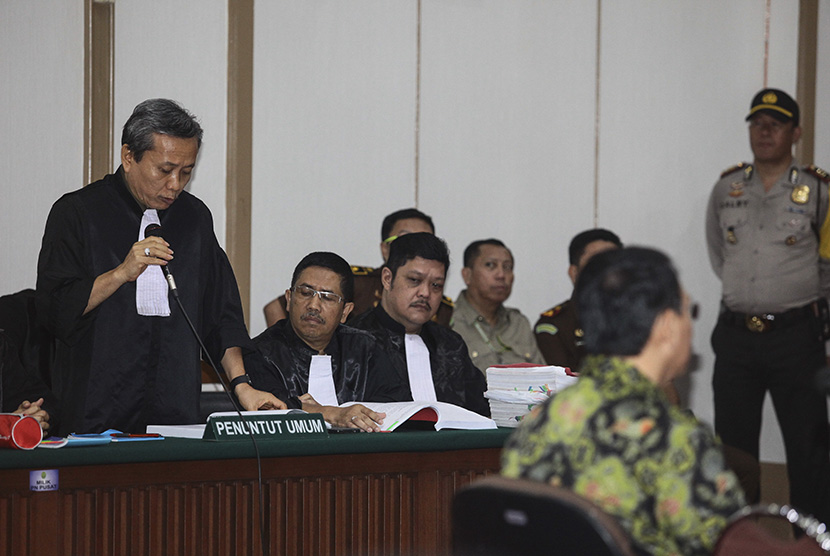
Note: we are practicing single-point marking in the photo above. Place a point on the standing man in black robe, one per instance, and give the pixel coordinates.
(126, 356)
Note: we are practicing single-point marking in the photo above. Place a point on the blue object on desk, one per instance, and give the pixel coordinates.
(109, 435)
(87, 440)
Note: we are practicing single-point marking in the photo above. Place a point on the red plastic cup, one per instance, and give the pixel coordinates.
(22, 432)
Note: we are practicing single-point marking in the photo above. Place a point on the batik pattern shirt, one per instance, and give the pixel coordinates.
(616, 440)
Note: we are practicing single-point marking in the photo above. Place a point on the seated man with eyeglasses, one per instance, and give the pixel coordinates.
(312, 360)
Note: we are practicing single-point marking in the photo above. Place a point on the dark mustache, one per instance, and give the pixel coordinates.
(424, 304)
(313, 313)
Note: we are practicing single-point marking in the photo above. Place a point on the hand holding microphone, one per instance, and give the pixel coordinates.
(154, 230)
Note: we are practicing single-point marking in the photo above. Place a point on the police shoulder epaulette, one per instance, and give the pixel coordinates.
(447, 301)
(734, 169)
(362, 270)
(552, 312)
(814, 170)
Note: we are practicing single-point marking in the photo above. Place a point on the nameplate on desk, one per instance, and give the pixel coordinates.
(264, 424)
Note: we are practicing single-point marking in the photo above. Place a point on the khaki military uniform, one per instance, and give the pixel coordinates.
(509, 341)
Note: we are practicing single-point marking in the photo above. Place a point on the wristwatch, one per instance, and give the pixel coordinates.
(239, 380)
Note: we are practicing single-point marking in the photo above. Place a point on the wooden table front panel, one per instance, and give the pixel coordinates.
(355, 504)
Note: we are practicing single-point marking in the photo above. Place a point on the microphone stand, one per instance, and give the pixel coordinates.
(172, 283)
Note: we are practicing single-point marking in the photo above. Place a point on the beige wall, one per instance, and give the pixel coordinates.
(178, 52)
(490, 125)
(822, 153)
(41, 125)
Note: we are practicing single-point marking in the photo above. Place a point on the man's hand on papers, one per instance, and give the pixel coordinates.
(354, 416)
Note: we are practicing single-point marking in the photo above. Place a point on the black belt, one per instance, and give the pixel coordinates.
(765, 322)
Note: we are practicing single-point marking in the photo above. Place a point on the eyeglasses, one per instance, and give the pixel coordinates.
(306, 293)
(390, 239)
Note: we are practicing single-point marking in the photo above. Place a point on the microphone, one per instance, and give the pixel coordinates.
(155, 230)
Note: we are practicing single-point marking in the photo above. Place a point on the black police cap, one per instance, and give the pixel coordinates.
(777, 104)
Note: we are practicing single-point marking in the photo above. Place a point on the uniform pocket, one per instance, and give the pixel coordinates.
(793, 220)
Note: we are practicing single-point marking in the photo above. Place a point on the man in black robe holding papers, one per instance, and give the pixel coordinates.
(126, 356)
(315, 362)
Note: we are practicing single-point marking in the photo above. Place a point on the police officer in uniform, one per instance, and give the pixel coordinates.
(768, 237)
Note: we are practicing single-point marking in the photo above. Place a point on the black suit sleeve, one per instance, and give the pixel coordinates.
(17, 384)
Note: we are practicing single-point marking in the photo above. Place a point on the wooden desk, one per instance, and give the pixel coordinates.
(346, 495)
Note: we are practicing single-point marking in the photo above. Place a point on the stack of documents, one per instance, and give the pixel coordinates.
(513, 390)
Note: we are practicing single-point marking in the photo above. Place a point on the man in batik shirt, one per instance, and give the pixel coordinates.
(614, 437)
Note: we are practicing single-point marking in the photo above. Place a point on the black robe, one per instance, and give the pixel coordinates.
(18, 384)
(456, 379)
(358, 365)
(115, 368)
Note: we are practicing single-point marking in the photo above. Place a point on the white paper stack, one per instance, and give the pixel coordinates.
(513, 390)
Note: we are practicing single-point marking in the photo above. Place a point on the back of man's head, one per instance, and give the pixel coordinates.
(162, 116)
(581, 240)
(474, 249)
(618, 296)
(403, 214)
(421, 244)
(333, 262)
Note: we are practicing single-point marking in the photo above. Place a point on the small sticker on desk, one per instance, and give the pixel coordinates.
(45, 479)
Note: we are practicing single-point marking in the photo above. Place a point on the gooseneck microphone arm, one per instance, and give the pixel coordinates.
(155, 230)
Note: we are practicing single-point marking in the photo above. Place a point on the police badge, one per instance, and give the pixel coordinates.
(801, 194)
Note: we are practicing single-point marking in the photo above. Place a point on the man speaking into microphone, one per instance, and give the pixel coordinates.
(126, 356)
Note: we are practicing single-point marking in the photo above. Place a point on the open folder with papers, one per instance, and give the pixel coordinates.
(437, 415)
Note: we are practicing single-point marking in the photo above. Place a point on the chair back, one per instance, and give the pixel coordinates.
(743, 534)
(499, 516)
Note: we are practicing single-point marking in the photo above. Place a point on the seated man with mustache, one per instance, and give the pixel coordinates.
(312, 360)
(430, 360)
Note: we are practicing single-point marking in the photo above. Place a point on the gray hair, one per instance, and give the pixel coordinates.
(158, 115)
